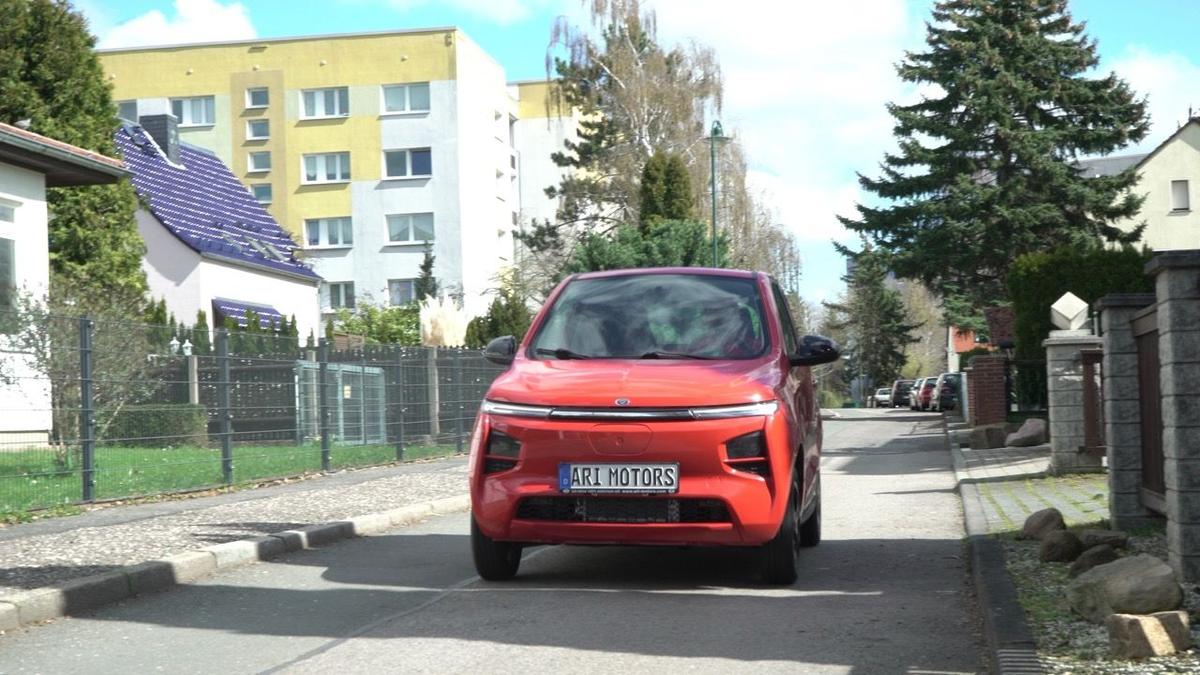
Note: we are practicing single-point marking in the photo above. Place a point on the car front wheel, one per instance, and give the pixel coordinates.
(494, 560)
(781, 555)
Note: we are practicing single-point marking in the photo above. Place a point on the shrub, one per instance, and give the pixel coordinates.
(1038, 279)
(159, 425)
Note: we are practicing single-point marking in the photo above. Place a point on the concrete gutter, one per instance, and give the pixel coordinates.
(1011, 648)
(93, 592)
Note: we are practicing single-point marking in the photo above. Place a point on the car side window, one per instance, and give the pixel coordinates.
(785, 320)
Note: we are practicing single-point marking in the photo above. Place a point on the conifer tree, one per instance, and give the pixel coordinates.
(874, 320)
(984, 170)
(201, 342)
(426, 285)
(666, 190)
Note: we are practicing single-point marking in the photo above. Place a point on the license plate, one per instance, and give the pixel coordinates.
(640, 478)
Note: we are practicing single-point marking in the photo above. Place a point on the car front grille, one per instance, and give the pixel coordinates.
(622, 510)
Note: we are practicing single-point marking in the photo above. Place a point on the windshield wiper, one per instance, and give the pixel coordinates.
(560, 353)
(674, 355)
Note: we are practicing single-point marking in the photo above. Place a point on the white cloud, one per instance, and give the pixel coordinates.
(1168, 81)
(502, 12)
(193, 21)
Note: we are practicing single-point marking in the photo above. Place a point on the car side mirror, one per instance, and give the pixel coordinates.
(501, 350)
(815, 350)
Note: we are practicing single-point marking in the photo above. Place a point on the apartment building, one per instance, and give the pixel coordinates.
(368, 148)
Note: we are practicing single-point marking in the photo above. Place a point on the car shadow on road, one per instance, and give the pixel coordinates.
(868, 605)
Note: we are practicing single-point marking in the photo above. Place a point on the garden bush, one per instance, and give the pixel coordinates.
(160, 425)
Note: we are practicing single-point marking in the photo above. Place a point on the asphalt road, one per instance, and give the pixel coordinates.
(884, 593)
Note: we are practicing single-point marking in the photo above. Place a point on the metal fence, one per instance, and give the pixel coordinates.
(95, 410)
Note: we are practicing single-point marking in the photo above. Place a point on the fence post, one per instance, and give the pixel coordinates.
(193, 378)
(400, 409)
(224, 404)
(323, 400)
(434, 393)
(458, 395)
(87, 442)
(362, 379)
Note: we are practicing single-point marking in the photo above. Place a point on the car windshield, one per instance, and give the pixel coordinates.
(655, 316)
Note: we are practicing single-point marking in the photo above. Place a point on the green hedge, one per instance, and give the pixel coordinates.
(1038, 279)
(160, 425)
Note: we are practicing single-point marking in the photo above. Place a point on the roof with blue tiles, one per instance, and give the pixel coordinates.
(203, 204)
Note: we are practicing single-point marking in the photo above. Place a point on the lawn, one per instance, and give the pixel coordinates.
(31, 479)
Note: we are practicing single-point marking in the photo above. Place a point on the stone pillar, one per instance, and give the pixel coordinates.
(988, 403)
(1122, 424)
(1064, 378)
(1177, 285)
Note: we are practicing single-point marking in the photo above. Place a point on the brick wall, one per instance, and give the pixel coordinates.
(985, 391)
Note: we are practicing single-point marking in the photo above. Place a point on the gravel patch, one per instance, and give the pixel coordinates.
(1067, 643)
(39, 560)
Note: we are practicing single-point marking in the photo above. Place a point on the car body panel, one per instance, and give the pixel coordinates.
(755, 503)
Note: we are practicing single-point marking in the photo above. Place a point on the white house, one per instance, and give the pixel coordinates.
(210, 245)
(29, 163)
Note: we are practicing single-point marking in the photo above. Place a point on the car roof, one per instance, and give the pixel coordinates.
(694, 271)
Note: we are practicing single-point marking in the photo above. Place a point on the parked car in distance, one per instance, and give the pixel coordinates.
(671, 406)
(914, 394)
(900, 389)
(926, 393)
(945, 392)
(882, 398)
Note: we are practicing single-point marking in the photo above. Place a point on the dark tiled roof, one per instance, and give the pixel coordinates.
(1107, 166)
(203, 204)
(268, 317)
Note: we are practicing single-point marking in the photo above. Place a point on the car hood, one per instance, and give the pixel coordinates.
(644, 383)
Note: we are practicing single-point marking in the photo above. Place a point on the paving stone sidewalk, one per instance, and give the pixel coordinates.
(45, 552)
(1013, 483)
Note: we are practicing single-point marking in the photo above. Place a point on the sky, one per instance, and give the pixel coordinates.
(805, 82)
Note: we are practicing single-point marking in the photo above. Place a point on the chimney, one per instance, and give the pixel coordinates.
(157, 119)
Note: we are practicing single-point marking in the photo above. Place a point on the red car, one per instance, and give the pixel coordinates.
(926, 394)
(660, 407)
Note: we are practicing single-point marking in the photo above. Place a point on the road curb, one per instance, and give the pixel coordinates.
(92, 592)
(1011, 648)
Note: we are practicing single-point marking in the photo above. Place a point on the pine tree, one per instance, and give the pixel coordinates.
(426, 285)
(984, 169)
(50, 75)
(666, 190)
(874, 320)
(201, 343)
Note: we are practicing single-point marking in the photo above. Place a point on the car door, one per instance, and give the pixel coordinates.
(807, 414)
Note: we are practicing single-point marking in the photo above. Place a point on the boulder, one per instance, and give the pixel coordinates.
(1140, 584)
(1091, 557)
(1131, 636)
(1041, 523)
(1114, 538)
(987, 437)
(1060, 546)
(1032, 432)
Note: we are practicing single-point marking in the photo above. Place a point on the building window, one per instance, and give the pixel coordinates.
(340, 295)
(259, 161)
(402, 291)
(407, 228)
(261, 192)
(258, 130)
(8, 212)
(127, 110)
(332, 102)
(258, 97)
(199, 111)
(329, 231)
(1179, 196)
(330, 167)
(414, 163)
(401, 98)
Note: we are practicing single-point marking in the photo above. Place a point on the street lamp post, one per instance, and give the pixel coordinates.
(718, 134)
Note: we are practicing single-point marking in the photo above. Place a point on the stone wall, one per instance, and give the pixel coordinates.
(1177, 286)
(1122, 427)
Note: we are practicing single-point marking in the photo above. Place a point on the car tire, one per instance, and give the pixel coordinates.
(781, 555)
(810, 529)
(494, 560)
